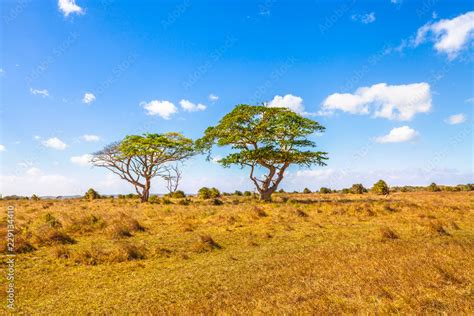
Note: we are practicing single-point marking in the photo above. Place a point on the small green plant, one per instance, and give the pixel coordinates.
(238, 193)
(204, 193)
(306, 191)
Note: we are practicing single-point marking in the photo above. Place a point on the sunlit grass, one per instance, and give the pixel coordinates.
(328, 253)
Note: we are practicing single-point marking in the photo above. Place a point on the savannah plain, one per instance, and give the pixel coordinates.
(408, 252)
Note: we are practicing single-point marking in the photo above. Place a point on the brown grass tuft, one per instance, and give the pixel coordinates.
(388, 234)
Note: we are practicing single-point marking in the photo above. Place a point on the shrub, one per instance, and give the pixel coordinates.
(204, 193)
(281, 191)
(91, 194)
(34, 197)
(345, 191)
(178, 194)
(380, 188)
(324, 190)
(433, 187)
(238, 193)
(52, 221)
(358, 188)
(306, 191)
(154, 199)
(248, 193)
(217, 202)
(215, 193)
(47, 235)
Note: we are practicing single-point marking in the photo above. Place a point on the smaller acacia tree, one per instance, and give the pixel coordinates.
(139, 158)
(265, 138)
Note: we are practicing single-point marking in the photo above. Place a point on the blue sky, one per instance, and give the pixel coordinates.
(392, 81)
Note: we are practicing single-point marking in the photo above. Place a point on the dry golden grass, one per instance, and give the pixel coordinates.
(405, 253)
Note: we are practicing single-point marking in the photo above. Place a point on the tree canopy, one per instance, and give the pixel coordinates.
(268, 138)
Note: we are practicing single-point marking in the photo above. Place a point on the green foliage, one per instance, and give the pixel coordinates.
(154, 199)
(345, 191)
(248, 193)
(380, 188)
(281, 191)
(433, 187)
(208, 193)
(91, 194)
(176, 194)
(358, 188)
(265, 137)
(306, 191)
(204, 193)
(238, 193)
(324, 190)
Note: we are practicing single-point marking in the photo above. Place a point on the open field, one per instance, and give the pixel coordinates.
(326, 253)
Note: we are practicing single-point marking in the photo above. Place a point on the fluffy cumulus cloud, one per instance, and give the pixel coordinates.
(395, 102)
(68, 7)
(449, 36)
(289, 101)
(188, 106)
(88, 98)
(90, 138)
(364, 18)
(83, 160)
(2, 148)
(44, 93)
(55, 143)
(35, 181)
(213, 97)
(456, 119)
(165, 109)
(398, 135)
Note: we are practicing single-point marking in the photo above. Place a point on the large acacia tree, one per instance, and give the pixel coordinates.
(139, 158)
(265, 138)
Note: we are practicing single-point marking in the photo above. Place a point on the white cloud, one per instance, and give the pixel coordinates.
(44, 93)
(34, 172)
(191, 107)
(401, 102)
(2, 148)
(90, 138)
(449, 36)
(213, 97)
(364, 18)
(470, 100)
(69, 7)
(456, 119)
(2, 72)
(35, 181)
(88, 98)
(84, 160)
(398, 135)
(36, 137)
(55, 143)
(162, 108)
(289, 101)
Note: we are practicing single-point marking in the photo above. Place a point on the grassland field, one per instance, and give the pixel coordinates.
(302, 254)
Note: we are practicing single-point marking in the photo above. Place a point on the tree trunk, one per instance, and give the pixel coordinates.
(146, 191)
(266, 195)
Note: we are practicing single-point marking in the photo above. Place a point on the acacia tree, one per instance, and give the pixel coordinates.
(265, 138)
(139, 158)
